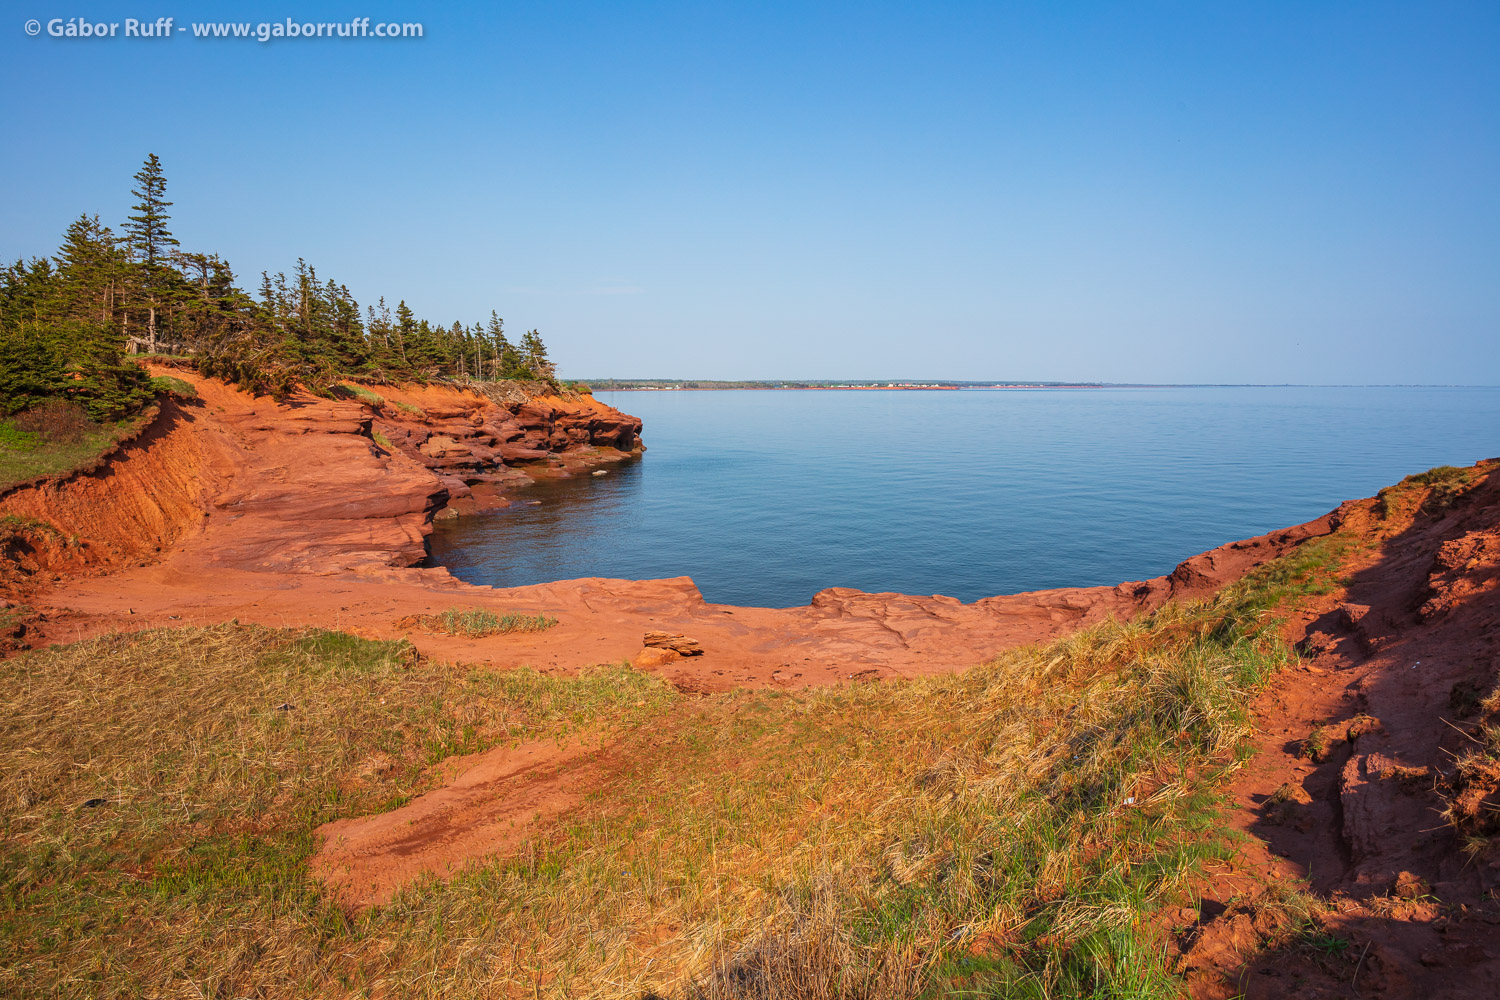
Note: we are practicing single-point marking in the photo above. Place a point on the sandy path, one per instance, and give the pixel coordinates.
(489, 803)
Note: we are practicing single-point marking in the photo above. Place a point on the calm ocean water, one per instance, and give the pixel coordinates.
(764, 498)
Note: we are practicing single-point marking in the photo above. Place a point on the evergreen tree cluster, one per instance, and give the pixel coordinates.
(68, 323)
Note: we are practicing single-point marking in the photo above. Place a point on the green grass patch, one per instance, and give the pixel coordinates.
(360, 393)
(480, 622)
(382, 440)
(409, 408)
(1442, 484)
(171, 384)
(476, 623)
(29, 455)
(12, 438)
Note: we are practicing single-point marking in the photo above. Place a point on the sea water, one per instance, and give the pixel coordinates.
(766, 497)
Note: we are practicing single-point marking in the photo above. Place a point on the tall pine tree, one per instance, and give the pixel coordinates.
(149, 239)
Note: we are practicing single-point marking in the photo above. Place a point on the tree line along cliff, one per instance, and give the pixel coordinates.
(69, 323)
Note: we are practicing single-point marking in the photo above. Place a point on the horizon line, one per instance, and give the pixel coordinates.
(983, 383)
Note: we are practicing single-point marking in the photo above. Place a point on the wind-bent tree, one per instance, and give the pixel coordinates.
(534, 356)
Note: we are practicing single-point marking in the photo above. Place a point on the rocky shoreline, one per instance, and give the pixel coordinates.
(316, 512)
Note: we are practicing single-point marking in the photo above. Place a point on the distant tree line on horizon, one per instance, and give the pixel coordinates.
(68, 323)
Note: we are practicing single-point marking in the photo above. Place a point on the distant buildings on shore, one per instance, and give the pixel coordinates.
(660, 385)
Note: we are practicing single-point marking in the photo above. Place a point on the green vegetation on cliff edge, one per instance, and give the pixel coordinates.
(69, 322)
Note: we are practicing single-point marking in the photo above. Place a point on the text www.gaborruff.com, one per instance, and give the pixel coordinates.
(264, 31)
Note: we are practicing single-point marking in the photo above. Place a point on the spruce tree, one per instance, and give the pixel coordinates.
(534, 356)
(149, 238)
(405, 330)
(501, 352)
(90, 268)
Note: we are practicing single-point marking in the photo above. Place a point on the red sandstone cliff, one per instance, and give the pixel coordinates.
(312, 485)
(315, 512)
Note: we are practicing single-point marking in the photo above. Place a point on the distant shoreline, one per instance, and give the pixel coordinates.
(603, 385)
(837, 388)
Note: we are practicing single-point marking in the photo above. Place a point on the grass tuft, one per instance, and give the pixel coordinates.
(174, 386)
(476, 623)
(359, 392)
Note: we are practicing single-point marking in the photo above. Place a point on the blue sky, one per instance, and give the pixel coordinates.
(1227, 192)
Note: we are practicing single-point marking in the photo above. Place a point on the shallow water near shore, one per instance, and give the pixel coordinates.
(765, 497)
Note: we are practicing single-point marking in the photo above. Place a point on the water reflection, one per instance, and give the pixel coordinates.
(548, 533)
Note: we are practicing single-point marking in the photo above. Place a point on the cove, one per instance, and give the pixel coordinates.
(766, 497)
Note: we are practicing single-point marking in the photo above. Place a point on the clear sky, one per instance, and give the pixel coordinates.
(1191, 192)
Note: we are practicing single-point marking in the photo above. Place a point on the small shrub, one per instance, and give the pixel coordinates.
(55, 420)
(253, 363)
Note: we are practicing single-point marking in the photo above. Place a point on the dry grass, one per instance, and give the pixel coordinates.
(158, 793)
(1438, 488)
(1007, 830)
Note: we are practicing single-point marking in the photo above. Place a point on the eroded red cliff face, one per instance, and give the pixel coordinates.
(478, 447)
(1375, 780)
(311, 486)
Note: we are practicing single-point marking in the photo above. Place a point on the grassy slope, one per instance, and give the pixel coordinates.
(1008, 831)
(27, 456)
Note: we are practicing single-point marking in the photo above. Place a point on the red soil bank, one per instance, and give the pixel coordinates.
(312, 486)
(1386, 823)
